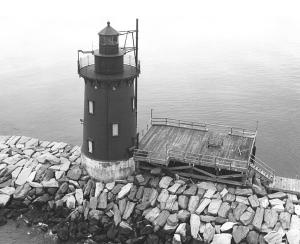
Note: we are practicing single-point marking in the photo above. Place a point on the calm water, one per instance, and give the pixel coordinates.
(207, 66)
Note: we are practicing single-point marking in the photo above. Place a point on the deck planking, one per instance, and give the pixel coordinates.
(285, 184)
(160, 138)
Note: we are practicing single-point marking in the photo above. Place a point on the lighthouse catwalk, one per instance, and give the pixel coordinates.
(110, 104)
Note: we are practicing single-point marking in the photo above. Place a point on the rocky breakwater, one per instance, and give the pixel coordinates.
(43, 183)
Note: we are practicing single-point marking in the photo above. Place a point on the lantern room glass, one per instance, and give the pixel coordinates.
(109, 40)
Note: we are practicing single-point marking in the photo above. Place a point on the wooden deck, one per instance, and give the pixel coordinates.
(288, 185)
(196, 144)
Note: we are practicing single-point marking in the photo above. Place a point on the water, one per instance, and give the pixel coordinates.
(234, 64)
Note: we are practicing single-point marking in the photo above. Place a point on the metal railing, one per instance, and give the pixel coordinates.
(203, 126)
(262, 168)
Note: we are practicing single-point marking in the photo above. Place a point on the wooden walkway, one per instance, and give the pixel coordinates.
(284, 184)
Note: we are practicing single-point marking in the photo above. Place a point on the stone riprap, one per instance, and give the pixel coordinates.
(44, 182)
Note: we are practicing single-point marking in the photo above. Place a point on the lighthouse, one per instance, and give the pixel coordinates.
(110, 104)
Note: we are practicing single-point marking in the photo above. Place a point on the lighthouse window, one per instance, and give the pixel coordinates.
(90, 146)
(115, 129)
(91, 107)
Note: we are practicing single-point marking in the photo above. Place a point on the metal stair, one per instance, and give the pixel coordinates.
(262, 169)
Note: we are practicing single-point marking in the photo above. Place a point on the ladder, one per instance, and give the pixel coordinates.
(262, 169)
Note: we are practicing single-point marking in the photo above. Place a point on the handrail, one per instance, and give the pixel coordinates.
(201, 125)
(263, 166)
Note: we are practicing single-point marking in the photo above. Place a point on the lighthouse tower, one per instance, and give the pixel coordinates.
(110, 105)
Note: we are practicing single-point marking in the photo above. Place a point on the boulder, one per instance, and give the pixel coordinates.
(176, 239)
(124, 190)
(74, 173)
(242, 199)
(195, 225)
(128, 210)
(117, 215)
(183, 215)
(181, 230)
(252, 237)
(172, 219)
(247, 217)
(173, 189)
(161, 218)
(8, 190)
(264, 202)
(243, 191)
(21, 191)
(153, 197)
(239, 210)
(285, 219)
(214, 206)
(165, 182)
(223, 238)
(258, 218)
(254, 202)
(94, 215)
(51, 183)
(227, 226)
(4, 198)
(79, 196)
(208, 233)
(209, 193)
(280, 195)
(169, 203)
(295, 222)
(289, 206)
(191, 191)
(153, 214)
(273, 237)
(103, 200)
(297, 209)
(229, 198)
(23, 176)
(239, 233)
(71, 202)
(293, 236)
(207, 185)
(224, 209)
(276, 201)
(99, 188)
(193, 203)
(270, 217)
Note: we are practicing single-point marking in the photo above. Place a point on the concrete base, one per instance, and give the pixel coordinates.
(108, 171)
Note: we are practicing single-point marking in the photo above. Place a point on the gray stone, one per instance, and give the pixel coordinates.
(71, 202)
(173, 189)
(183, 201)
(146, 194)
(242, 199)
(21, 191)
(229, 198)
(79, 196)
(74, 173)
(214, 206)
(193, 203)
(4, 198)
(280, 195)
(239, 233)
(209, 233)
(191, 191)
(183, 215)
(243, 192)
(273, 237)
(172, 219)
(247, 217)
(252, 237)
(165, 182)
(103, 200)
(263, 202)
(254, 202)
(94, 215)
(285, 219)
(128, 210)
(289, 206)
(223, 238)
(209, 193)
(270, 217)
(50, 183)
(169, 203)
(293, 236)
(224, 209)
(161, 218)
(239, 210)
(153, 197)
(195, 225)
(153, 214)
(207, 185)
(258, 218)
(117, 215)
(227, 226)
(124, 190)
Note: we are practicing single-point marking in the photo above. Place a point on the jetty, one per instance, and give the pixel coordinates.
(207, 151)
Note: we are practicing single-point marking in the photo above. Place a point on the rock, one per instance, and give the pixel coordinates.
(273, 237)
(297, 209)
(8, 190)
(195, 225)
(88, 187)
(285, 219)
(172, 219)
(209, 193)
(242, 199)
(124, 190)
(229, 198)
(94, 215)
(132, 193)
(278, 208)
(209, 233)
(181, 230)
(156, 171)
(51, 183)
(79, 196)
(193, 203)
(117, 215)
(243, 192)
(293, 236)
(74, 173)
(183, 201)
(239, 233)
(227, 226)
(42, 199)
(165, 182)
(176, 239)
(153, 197)
(295, 222)
(63, 232)
(48, 157)
(207, 185)
(110, 185)
(214, 206)
(247, 217)
(223, 238)
(183, 215)
(31, 176)
(98, 189)
(161, 218)
(33, 142)
(71, 202)
(191, 191)
(270, 217)
(63, 166)
(258, 218)
(122, 205)
(276, 201)
(163, 196)
(153, 214)
(252, 237)
(16, 172)
(117, 189)
(171, 200)
(263, 202)
(224, 209)
(289, 206)
(280, 195)
(173, 189)
(239, 210)
(4, 198)
(21, 191)
(23, 176)
(128, 210)
(103, 200)
(254, 202)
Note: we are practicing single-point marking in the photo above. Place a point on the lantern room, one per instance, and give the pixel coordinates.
(108, 40)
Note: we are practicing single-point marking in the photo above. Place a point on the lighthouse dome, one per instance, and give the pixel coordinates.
(108, 31)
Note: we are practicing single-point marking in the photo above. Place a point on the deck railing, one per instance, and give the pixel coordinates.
(190, 158)
(203, 126)
(262, 168)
